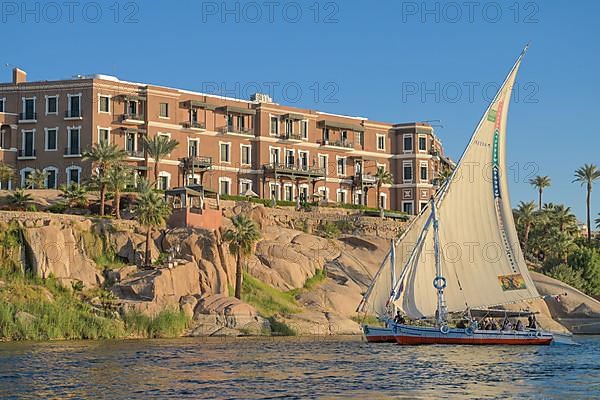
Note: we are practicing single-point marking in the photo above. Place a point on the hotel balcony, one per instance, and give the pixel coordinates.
(133, 119)
(73, 115)
(27, 118)
(196, 163)
(194, 125)
(291, 137)
(236, 130)
(295, 170)
(360, 180)
(26, 154)
(72, 152)
(337, 144)
(135, 153)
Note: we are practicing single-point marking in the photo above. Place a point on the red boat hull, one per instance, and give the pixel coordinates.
(379, 334)
(415, 335)
(412, 340)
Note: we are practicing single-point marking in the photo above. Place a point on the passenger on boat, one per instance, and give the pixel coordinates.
(520, 325)
(507, 325)
(532, 322)
(399, 319)
(494, 326)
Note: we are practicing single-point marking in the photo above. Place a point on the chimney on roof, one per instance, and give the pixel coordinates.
(19, 76)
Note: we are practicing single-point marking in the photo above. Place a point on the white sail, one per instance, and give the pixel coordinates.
(376, 299)
(482, 261)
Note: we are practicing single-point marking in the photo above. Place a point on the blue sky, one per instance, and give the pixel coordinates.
(393, 61)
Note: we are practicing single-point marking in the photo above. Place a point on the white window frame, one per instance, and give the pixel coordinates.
(22, 173)
(104, 128)
(225, 179)
(322, 189)
(23, 132)
(197, 141)
(271, 117)
(408, 164)
(109, 97)
(424, 164)
(23, 100)
(69, 97)
(339, 192)
(244, 181)
(70, 130)
(289, 185)
(379, 136)
(412, 142)
(221, 154)
(277, 190)
(72, 167)
(271, 148)
(46, 138)
(165, 174)
(168, 116)
(379, 201)
(303, 186)
(51, 168)
(344, 166)
(286, 153)
(304, 135)
(419, 137)
(3, 101)
(326, 166)
(56, 96)
(412, 204)
(242, 146)
(307, 158)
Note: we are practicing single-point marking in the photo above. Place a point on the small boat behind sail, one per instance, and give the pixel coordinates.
(465, 244)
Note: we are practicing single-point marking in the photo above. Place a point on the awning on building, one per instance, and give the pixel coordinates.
(292, 116)
(236, 110)
(198, 104)
(340, 125)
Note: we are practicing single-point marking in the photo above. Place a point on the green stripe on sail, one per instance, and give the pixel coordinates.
(492, 116)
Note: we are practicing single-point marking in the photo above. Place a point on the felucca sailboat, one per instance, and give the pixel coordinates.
(461, 255)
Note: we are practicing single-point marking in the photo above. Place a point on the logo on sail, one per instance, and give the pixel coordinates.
(512, 282)
(492, 115)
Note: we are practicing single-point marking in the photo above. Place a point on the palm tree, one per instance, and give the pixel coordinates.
(19, 199)
(540, 183)
(564, 218)
(76, 195)
(525, 215)
(241, 238)
(6, 173)
(103, 155)
(151, 211)
(586, 175)
(117, 178)
(383, 177)
(598, 222)
(36, 179)
(158, 148)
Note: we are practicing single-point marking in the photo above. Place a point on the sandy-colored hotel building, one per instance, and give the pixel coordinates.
(227, 145)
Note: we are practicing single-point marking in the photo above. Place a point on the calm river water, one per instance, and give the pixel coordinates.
(294, 368)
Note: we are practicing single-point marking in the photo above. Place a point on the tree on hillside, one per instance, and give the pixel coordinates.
(586, 176)
(151, 211)
(525, 216)
(241, 239)
(158, 148)
(540, 183)
(117, 178)
(103, 155)
(75, 195)
(36, 179)
(384, 177)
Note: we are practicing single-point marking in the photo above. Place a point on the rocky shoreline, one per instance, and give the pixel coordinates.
(104, 255)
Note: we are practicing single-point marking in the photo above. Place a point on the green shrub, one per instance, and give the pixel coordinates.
(319, 276)
(58, 208)
(267, 300)
(31, 208)
(568, 275)
(166, 324)
(328, 230)
(280, 329)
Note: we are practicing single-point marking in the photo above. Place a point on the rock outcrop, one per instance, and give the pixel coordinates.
(151, 291)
